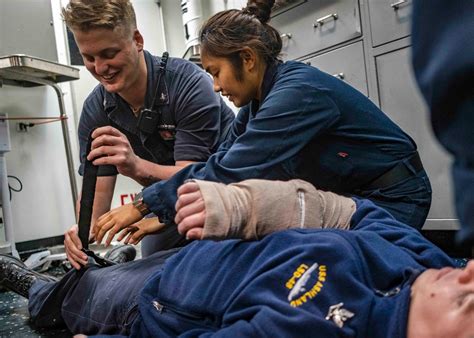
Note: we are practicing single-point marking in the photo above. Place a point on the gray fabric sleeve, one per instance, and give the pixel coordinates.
(254, 208)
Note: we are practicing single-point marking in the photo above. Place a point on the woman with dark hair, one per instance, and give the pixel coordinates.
(296, 122)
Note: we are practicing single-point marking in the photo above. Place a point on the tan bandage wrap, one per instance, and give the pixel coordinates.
(254, 208)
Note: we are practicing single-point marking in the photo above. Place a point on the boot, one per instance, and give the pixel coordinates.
(15, 276)
(121, 254)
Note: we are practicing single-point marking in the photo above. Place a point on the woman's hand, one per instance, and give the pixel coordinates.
(137, 231)
(190, 211)
(114, 221)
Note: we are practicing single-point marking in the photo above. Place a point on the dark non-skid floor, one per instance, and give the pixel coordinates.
(14, 316)
(14, 319)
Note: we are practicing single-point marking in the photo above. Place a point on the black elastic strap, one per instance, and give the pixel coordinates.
(87, 197)
(99, 260)
(89, 181)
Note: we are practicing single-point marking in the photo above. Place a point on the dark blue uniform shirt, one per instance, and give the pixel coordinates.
(186, 100)
(312, 126)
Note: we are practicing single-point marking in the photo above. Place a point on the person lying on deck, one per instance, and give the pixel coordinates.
(323, 265)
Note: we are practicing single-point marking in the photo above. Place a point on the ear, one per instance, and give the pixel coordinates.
(138, 39)
(249, 58)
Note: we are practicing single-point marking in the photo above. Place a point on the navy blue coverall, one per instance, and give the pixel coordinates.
(443, 61)
(281, 286)
(312, 126)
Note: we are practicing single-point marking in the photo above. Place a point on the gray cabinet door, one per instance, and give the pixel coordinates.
(26, 28)
(389, 20)
(401, 101)
(317, 24)
(346, 63)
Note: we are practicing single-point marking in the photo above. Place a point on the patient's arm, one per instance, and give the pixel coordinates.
(254, 208)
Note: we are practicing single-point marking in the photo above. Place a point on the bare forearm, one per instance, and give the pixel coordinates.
(148, 172)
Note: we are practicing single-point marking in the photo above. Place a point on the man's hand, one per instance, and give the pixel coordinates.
(137, 231)
(111, 147)
(190, 211)
(114, 221)
(73, 247)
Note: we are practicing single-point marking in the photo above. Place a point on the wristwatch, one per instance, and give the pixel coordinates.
(140, 204)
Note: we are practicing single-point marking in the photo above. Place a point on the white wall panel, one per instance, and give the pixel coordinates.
(44, 207)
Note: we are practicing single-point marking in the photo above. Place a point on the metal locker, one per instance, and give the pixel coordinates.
(401, 101)
(389, 20)
(316, 25)
(346, 63)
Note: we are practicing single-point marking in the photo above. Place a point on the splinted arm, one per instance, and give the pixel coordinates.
(252, 209)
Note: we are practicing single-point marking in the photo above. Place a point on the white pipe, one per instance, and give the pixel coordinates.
(5, 194)
(162, 24)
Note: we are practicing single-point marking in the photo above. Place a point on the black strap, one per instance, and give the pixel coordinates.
(149, 118)
(397, 173)
(87, 197)
(99, 260)
(161, 71)
(89, 181)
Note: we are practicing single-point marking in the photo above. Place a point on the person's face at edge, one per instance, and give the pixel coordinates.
(111, 56)
(442, 303)
(225, 80)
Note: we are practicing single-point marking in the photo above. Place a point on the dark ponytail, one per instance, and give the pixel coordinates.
(226, 33)
(260, 9)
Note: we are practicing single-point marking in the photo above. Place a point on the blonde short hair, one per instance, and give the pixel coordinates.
(86, 15)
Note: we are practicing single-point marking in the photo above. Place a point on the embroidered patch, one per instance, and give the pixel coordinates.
(306, 283)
